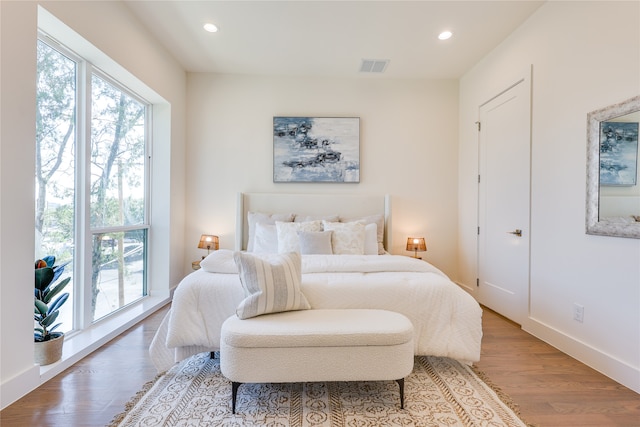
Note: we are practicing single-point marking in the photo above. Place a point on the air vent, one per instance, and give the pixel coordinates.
(374, 65)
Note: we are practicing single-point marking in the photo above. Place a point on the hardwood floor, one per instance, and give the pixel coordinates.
(94, 390)
(551, 388)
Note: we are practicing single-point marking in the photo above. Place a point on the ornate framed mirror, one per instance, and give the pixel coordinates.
(613, 177)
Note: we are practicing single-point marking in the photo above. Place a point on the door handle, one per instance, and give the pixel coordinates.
(517, 232)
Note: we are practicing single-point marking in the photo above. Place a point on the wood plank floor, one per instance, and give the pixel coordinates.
(550, 388)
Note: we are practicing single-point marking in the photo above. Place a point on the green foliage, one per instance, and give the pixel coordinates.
(48, 298)
(116, 161)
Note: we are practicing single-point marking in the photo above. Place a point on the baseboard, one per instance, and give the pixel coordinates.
(78, 346)
(18, 386)
(606, 364)
(470, 289)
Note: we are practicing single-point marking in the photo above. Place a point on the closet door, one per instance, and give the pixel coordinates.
(504, 201)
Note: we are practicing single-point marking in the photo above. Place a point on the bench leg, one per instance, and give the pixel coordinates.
(401, 384)
(234, 393)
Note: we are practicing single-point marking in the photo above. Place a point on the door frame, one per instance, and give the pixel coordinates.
(524, 77)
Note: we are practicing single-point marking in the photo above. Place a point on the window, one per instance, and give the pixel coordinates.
(91, 184)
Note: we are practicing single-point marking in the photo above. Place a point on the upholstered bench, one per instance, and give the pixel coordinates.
(317, 345)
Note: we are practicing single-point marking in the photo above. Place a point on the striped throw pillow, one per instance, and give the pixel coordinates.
(271, 283)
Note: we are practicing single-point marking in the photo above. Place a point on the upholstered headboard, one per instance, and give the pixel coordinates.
(345, 205)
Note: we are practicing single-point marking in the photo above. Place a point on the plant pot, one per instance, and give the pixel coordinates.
(47, 352)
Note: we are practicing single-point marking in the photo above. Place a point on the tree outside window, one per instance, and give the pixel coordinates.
(112, 193)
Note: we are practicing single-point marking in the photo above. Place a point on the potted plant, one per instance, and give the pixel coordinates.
(48, 300)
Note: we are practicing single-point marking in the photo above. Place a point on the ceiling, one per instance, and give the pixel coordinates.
(331, 38)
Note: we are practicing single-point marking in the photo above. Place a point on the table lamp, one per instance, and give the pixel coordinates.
(208, 242)
(416, 244)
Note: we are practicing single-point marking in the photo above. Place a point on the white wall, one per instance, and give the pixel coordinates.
(408, 148)
(110, 27)
(585, 56)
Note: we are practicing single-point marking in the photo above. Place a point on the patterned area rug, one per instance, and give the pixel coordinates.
(439, 392)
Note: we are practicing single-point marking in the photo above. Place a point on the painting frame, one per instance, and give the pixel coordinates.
(308, 149)
(618, 153)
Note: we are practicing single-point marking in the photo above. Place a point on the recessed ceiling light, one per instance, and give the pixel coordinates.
(445, 35)
(210, 27)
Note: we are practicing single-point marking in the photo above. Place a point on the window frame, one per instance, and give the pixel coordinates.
(164, 269)
(82, 317)
(92, 70)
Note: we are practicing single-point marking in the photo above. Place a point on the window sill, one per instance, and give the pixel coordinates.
(83, 343)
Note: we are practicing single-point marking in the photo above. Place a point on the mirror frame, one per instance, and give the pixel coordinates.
(594, 226)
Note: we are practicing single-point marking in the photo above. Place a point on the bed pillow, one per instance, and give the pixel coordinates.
(288, 240)
(371, 239)
(307, 218)
(315, 242)
(271, 283)
(347, 237)
(265, 239)
(375, 219)
(220, 261)
(254, 218)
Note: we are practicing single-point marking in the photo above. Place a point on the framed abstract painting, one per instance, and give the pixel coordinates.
(316, 149)
(618, 153)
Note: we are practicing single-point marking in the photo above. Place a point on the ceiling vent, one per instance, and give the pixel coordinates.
(374, 65)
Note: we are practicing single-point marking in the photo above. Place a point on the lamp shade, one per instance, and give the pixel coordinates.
(416, 244)
(209, 242)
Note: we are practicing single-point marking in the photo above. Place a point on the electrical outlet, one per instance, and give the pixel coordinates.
(578, 312)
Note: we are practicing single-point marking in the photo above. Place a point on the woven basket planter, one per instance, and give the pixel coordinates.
(48, 352)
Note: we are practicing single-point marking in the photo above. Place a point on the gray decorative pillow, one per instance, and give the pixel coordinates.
(271, 283)
(315, 242)
(288, 234)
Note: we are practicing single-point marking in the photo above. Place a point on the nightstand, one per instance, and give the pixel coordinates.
(196, 265)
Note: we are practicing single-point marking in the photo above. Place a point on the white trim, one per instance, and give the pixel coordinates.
(80, 345)
(608, 365)
(61, 33)
(469, 289)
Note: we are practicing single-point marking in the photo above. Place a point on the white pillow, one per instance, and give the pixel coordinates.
(265, 239)
(265, 218)
(288, 240)
(376, 219)
(220, 261)
(347, 237)
(371, 239)
(271, 284)
(316, 242)
(307, 218)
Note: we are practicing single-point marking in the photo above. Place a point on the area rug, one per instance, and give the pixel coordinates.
(439, 392)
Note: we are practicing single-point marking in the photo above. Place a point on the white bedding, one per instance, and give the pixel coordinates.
(447, 320)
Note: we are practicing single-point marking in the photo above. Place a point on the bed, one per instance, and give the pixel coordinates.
(447, 320)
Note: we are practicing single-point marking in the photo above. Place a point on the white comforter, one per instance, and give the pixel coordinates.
(447, 320)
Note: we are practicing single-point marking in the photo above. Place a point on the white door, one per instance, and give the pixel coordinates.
(503, 211)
